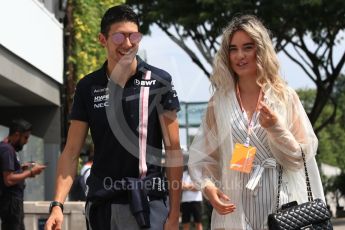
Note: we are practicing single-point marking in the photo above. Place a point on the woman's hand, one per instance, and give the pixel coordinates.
(219, 200)
(267, 117)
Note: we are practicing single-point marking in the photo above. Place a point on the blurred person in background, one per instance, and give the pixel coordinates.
(13, 175)
(191, 203)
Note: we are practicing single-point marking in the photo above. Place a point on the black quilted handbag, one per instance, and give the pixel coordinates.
(312, 215)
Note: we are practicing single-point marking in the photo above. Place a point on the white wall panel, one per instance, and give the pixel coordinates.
(30, 31)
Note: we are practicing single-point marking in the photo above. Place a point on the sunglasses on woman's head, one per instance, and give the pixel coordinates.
(119, 38)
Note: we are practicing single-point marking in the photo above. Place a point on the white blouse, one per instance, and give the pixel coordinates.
(254, 194)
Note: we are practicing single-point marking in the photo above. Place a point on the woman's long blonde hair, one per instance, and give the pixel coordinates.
(223, 77)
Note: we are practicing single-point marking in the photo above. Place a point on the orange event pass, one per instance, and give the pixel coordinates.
(242, 158)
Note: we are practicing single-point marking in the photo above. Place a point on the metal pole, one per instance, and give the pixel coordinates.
(187, 126)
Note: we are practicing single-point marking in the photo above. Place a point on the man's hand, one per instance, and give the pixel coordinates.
(37, 169)
(171, 223)
(123, 69)
(219, 200)
(26, 165)
(55, 219)
(66, 169)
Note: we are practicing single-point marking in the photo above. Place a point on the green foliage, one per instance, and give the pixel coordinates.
(332, 137)
(293, 24)
(88, 54)
(331, 145)
(307, 97)
(336, 185)
(339, 183)
(205, 19)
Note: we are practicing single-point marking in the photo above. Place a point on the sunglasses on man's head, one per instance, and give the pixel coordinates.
(119, 38)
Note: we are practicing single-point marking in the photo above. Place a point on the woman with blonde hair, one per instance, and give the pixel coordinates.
(255, 125)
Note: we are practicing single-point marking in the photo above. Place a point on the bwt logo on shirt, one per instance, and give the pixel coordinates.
(144, 82)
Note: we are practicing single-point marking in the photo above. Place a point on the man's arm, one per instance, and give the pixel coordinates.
(11, 178)
(67, 168)
(174, 162)
(68, 161)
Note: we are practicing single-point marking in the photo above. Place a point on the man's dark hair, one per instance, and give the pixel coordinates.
(19, 125)
(120, 13)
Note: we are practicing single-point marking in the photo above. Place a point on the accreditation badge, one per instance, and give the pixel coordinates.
(242, 158)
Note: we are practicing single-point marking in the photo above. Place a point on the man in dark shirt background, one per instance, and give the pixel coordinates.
(13, 175)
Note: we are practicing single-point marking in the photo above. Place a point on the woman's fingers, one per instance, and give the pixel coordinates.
(264, 109)
(267, 117)
(219, 200)
(225, 207)
(222, 195)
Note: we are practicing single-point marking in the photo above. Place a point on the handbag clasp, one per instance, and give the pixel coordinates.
(308, 227)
